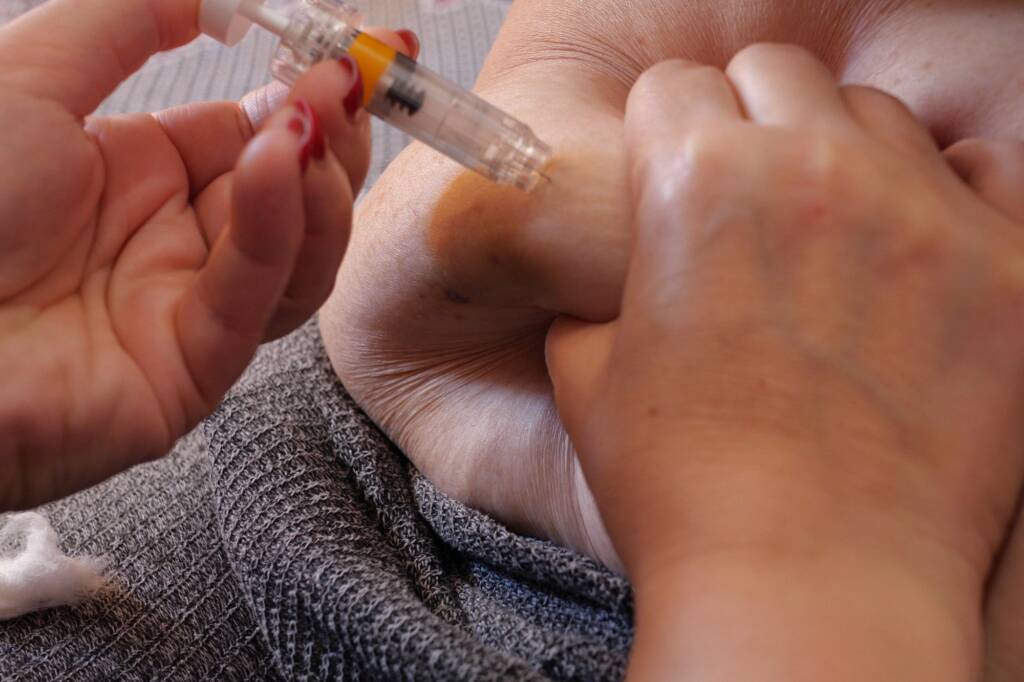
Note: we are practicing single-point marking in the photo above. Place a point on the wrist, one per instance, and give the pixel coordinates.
(835, 614)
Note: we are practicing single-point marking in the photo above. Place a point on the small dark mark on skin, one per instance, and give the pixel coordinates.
(455, 297)
(653, 412)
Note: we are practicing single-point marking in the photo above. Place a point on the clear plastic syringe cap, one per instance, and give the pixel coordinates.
(221, 20)
(317, 30)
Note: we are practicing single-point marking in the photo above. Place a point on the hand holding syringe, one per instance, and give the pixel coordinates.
(397, 90)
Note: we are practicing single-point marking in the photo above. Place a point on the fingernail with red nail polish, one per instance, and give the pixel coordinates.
(354, 98)
(306, 125)
(411, 40)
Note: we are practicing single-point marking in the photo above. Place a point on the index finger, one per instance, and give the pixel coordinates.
(211, 135)
(75, 52)
(668, 101)
(785, 85)
(692, 160)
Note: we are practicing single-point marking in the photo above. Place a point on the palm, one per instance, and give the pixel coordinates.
(143, 259)
(98, 297)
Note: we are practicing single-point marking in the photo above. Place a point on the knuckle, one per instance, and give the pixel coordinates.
(824, 162)
(994, 169)
(996, 154)
(916, 248)
(874, 101)
(1005, 157)
(819, 185)
(702, 75)
(706, 151)
(667, 68)
(1009, 291)
(693, 164)
(979, 152)
(658, 183)
(818, 192)
(650, 80)
(656, 80)
(767, 56)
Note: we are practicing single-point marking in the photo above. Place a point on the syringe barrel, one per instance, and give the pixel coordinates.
(412, 98)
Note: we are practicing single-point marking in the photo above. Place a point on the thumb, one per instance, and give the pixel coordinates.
(578, 354)
(75, 52)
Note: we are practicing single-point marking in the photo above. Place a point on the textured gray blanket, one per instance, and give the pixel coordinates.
(286, 536)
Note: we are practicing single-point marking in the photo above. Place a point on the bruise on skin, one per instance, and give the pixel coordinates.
(455, 297)
(476, 235)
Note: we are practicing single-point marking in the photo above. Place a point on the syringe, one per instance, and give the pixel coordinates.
(397, 90)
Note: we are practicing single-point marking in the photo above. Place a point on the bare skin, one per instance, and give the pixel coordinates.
(804, 430)
(445, 350)
(143, 258)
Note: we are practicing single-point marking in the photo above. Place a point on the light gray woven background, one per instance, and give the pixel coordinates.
(207, 70)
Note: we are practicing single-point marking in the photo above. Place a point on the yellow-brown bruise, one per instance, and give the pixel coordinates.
(475, 233)
(560, 247)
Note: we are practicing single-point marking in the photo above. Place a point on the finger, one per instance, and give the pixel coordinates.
(211, 135)
(995, 170)
(209, 138)
(888, 119)
(334, 90)
(343, 109)
(404, 40)
(327, 201)
(411, 43)
(212, 205)
(75, 53)
(694, 206)
(337, 101)
(223, 316)
(670, 100)
(259, 105)
(1004, 615)
(785, 85)
(577, 355)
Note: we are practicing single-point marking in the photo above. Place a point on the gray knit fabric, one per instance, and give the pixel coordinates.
(286, 537)
(355, 566)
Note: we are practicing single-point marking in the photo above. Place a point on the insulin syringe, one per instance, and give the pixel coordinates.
(397, 90)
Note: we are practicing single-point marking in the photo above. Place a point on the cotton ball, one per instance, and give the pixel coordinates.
(41, 576)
